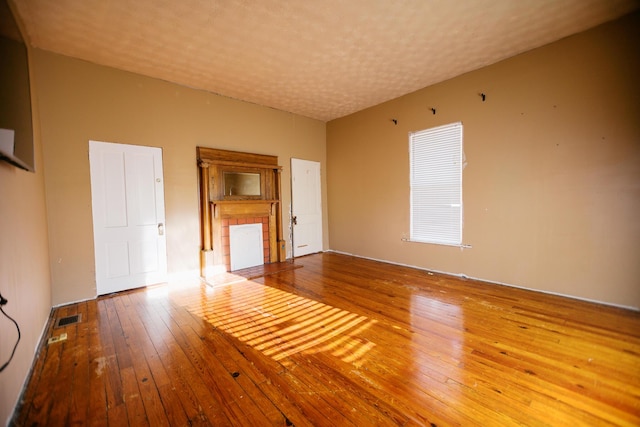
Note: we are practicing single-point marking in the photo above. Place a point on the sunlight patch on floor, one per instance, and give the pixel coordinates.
(281, 324)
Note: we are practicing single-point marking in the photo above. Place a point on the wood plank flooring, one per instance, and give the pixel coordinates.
(338, 341)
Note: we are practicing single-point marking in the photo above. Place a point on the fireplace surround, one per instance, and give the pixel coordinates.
(237, 188)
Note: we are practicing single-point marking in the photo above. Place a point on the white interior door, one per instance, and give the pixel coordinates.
(127, 193)
(306, 207)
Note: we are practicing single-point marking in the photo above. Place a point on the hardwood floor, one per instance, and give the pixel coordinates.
(338, 341)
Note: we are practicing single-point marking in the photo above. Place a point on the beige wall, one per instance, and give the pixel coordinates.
(80, 101)
(24, 273)
(552, 182)
(551, 188)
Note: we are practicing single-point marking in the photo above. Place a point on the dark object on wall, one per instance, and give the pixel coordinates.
(16, 137)
(3, 301)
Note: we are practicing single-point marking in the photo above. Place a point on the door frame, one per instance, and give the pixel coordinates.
(139, 279)
(293, 216)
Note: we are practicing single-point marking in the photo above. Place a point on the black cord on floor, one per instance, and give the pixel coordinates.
(17, 341)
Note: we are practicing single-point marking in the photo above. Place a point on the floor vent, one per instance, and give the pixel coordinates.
(69, 320)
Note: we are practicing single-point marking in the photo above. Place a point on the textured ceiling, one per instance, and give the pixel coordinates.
(319, 58)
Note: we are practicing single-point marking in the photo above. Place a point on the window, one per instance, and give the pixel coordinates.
(436, 185)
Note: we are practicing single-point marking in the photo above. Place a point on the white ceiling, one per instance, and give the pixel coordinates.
(322, 59)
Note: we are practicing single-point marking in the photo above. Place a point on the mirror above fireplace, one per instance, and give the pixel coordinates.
(241, 184)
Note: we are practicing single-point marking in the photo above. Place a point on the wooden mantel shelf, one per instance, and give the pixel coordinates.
(243, 208)
(233, 202)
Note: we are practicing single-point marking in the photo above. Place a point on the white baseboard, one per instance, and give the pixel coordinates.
(464, 276)
(72, 302)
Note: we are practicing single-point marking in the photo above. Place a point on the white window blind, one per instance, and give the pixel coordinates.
(436, 185)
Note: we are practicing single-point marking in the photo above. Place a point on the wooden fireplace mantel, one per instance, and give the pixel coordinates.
(239, 208)
(217, 207)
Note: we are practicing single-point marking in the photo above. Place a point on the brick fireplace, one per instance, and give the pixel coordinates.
(236, 189)
(224, 233)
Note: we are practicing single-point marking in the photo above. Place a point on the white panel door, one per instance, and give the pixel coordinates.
(306, 207)
(127, 194)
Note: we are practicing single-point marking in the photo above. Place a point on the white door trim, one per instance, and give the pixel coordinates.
(127, 195)
(306, 207)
